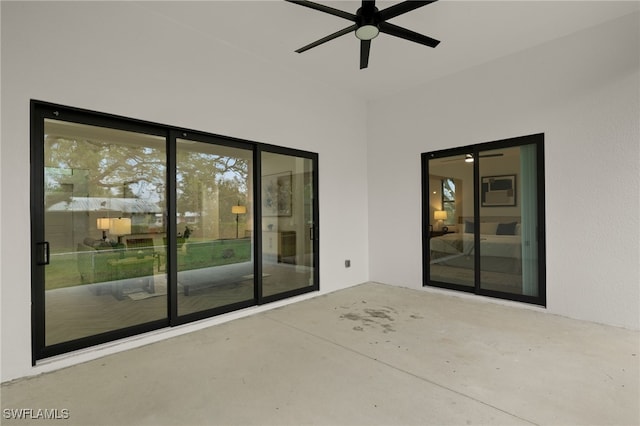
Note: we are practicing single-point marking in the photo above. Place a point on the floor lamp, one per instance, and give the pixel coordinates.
(238, 210)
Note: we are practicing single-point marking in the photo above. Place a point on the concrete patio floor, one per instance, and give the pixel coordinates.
(368, 355)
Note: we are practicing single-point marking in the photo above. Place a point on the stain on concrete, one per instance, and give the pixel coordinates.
(351, 316)
(380, 318)
(379, 313)
(387, 328)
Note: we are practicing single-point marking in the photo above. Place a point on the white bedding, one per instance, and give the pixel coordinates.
(490, 245)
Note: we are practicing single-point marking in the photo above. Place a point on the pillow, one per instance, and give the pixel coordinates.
(488, 228)
(506, 228)
(469, 227)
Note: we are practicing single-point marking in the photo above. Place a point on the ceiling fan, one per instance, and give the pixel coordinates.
(368, 23)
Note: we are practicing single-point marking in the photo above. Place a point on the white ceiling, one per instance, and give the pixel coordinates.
(471, 33)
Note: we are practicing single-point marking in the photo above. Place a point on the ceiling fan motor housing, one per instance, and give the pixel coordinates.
(367, 22)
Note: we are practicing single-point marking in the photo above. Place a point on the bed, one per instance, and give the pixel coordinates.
(500, 247)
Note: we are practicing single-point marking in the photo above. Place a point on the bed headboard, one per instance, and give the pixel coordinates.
(485, 219)
(491, 225)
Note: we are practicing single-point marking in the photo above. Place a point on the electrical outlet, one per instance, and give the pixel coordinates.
(347, 263)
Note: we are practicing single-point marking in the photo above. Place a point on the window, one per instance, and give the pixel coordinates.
(492, 200)
(138, 226)
(449, 200)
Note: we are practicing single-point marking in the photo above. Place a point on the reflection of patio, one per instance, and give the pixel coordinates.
(224, 285)
(202, 278)
(282, 277)
(498, 281)
(82, 311)
(85, 310)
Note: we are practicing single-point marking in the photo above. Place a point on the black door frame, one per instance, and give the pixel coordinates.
(172, 267)
(475, 150)
(315, 228)
(40, 111)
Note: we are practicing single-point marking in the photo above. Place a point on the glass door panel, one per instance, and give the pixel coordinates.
(508, 220)
(137, 226)
(214, 224)
(288, 224)
(104, 198)
(451, 224)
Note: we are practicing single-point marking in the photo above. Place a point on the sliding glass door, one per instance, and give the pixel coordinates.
(450, 208)
(138, 226)
(289, 224)
(484, 219)
(102, 193)
(508, 220)
(213, 225)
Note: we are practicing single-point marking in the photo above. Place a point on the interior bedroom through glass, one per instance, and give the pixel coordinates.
(483, 221)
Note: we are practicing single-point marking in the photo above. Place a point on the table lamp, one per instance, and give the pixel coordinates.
(103, 223)
(120, 226)
(440, 216)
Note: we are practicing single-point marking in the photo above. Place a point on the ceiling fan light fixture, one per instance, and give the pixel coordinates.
(368, 22)
(367, 32)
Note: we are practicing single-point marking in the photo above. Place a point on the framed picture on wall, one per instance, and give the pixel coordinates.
(276, 194)
(498, 191)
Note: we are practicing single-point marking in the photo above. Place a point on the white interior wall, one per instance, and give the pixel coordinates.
(114, 57)
(582, 91)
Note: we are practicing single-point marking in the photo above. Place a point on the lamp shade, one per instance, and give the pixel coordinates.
(440, 215)
(120, 226)
(238, 209)
(103, 223)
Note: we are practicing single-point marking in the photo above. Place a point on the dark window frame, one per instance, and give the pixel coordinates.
(41, 110)
(475, 150)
